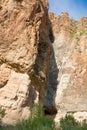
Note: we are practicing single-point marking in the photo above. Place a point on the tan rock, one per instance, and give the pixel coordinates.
(67, 85)
(24, 56)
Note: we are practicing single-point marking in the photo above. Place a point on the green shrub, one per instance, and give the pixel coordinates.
(82, 32)
(2, 112)
(37, 121)
(68, 123)
(72, 34)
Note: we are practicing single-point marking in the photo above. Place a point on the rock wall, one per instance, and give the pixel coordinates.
(24, 56)
(67, 85)
(28, 74)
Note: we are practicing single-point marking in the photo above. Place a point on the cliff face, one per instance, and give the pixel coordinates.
(28, 72)
(67, 86)
(24, 56)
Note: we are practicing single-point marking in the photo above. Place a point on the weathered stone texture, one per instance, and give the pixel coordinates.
(24, 56)
(25, 51)
(67, 86)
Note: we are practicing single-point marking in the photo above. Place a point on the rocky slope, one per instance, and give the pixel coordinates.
(67, 86)
(24, 56)
(33, 70)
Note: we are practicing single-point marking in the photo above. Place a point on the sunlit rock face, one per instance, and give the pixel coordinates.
(32, 70)
(24, 56)
(67, 85)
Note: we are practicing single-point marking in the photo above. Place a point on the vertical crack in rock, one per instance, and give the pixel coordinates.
(70, 51)
(52, 78)
(24, 56)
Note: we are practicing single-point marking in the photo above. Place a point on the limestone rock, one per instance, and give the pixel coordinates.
(67, 85)
(24, 56)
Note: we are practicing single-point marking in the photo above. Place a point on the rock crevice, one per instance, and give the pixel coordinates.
(68, 71)
(24, 56)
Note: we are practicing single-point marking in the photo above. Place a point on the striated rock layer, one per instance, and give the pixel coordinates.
(67, 86)
(24, 56)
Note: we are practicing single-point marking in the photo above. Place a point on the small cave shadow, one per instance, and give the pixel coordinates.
(50, 107)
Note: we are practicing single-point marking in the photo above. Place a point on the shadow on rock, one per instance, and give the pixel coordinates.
(49, 107)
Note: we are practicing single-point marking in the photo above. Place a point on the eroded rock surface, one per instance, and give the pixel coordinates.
(25, 51)
(24, 56)
(67, 86)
